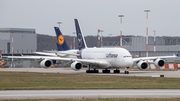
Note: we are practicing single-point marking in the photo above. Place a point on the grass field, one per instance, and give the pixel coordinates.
(123, 99)
(26, 80)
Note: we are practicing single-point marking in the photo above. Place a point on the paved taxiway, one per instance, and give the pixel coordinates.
(91, 93)
(98, 93)
(171, 73)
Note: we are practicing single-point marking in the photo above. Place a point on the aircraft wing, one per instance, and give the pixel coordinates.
(152, 58)
(44, 53)
(57, 54)
(64, 54)
(84, 61)
(50, 51)
(30, 57)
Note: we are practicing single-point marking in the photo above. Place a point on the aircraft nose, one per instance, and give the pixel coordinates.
(129, 62)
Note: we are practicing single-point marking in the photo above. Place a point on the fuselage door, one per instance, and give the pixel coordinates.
(121, 58)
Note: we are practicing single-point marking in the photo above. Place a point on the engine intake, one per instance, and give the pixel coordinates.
(76, 65)
(159, 63)
(46, 63)
(142, 65)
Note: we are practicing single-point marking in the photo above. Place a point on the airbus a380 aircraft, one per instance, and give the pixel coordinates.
(107, 58)
(103, 58)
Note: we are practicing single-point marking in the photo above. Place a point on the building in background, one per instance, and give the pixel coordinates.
(165, 45)
(23, 41)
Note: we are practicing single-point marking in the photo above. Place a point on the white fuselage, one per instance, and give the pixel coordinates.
(115, 57)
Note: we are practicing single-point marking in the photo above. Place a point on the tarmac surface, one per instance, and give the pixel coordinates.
(91, 93)
(88, 93)
(174, 74)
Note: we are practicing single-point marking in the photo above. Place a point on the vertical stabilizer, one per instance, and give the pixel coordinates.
(61, 42)
(80, 37)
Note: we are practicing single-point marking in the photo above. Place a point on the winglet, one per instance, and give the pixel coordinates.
(61, 45)
(80, 37)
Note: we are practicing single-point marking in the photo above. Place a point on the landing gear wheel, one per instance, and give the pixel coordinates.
(88, 71)
(116, 71)
(126, 72)
(106, 71)
(96, 71)
(92, 71)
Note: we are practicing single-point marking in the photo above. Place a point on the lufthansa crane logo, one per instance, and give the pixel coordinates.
(60, 39)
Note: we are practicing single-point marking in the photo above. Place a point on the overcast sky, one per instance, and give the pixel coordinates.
(43, 15)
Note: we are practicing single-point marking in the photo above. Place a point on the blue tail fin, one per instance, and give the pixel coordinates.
(80, 37)
(59, 47)
(61, 44)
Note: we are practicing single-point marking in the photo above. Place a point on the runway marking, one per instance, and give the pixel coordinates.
(95, 93)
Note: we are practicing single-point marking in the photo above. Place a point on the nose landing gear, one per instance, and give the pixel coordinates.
(126, 71)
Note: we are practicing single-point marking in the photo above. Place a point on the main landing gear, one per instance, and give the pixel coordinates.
(106, 71)
(103, 71)
(116, 71)
(91, 71)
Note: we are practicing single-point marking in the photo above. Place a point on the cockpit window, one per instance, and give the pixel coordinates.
(126, 56)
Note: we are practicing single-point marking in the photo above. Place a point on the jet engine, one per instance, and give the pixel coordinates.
(46, 63)
(159, 63)
(76, 66)
(142, 65)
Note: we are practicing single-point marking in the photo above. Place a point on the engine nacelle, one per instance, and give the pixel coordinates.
(76, 65)
(46, 63)
(142, 65)
(159, 63)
